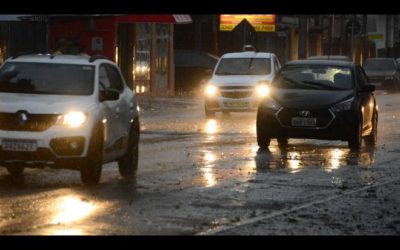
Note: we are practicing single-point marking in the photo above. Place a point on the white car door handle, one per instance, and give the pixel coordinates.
(117, 110)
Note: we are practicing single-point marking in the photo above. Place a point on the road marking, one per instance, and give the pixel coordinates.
(284, 211)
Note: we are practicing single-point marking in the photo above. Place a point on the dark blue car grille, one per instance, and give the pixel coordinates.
(324, 116)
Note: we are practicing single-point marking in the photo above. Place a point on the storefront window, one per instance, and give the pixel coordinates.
(1, 55)
(141, 72)
(3, 42)
(162, 48)
(162, 39)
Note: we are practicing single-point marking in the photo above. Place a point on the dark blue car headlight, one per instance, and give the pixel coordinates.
(343, 106)
(270, 103)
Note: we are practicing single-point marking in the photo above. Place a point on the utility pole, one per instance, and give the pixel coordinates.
(215, 33)
(365, 39)
(198, 30)
(302, 48)
(244, 34)
(343, 35)
(330, 33)
(389, 37)
(353, 19)
(197, 34)
(396, 36)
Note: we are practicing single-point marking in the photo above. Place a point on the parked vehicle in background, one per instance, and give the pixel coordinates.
(317, 99)
(239, 81)
(192, 68)
(333, 58)
(384, 73)
(67, 112)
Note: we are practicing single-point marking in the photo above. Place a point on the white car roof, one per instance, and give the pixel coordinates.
(64, 59)
(248, 54)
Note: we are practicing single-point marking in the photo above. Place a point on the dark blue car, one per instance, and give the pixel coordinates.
(319, 99)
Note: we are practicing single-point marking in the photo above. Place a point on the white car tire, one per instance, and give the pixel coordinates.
(92, 166)
(128, 164)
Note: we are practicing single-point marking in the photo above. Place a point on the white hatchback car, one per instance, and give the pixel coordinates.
(67, 112)
(239, 81)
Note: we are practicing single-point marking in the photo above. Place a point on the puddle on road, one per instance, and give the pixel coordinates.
(367, 178)
(214, 166)
(299, 157)
(231, 161)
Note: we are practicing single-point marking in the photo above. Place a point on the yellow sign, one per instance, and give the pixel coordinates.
(261, 23)
(375, 36)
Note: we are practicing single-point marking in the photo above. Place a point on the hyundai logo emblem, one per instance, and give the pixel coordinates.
(305, 113)
(22, 118)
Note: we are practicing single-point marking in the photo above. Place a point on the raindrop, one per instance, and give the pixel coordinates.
(337, 181)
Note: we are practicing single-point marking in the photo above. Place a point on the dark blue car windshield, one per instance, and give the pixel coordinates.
(323, 77)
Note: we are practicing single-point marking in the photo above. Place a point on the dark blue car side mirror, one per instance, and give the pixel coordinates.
(368, 88)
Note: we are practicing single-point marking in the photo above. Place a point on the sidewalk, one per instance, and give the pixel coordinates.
(156, 103)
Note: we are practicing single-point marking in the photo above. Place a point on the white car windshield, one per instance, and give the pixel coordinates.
(46, 78)
(244, 66)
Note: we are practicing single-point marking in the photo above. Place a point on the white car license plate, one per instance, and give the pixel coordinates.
(236, 104)
(19, 145)
(304, 122)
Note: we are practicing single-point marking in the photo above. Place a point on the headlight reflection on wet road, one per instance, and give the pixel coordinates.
(67, 232)
(294, 162)
(335, 157)
(301, 159)
(211, 126)
(207, 170)
(71, 209)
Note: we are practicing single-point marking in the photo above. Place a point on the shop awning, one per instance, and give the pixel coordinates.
(174, 18)
(39, 18)
(178, 19)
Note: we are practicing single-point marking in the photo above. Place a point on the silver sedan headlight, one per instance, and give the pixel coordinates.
(262, 90)
(211, 90)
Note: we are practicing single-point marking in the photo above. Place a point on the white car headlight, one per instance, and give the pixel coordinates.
(343, 106)
(270, 103)
(211, 90)
(262, 90)
(72, 119)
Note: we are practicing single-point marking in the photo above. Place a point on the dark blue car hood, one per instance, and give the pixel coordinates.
(299, 98)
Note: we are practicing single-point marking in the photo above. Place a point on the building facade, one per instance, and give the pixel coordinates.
(142, 45)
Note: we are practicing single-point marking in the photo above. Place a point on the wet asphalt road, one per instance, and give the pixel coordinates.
(207, 176)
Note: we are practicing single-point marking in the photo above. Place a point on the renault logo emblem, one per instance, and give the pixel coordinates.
(22, 118)
(305, 113)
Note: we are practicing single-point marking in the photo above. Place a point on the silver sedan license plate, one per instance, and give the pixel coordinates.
(19, 145)
(236, 104)
(304, 122)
